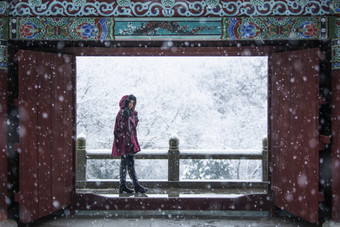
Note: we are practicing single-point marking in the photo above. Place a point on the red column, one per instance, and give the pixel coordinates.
(3, 144)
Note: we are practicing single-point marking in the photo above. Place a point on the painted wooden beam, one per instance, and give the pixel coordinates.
(172, 8)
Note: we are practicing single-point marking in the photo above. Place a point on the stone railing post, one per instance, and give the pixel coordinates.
(81, 160)
(265, 159)
(173, 159)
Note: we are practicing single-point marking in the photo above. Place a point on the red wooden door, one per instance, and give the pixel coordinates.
(294, 132)
(3, 144)
(336, 146)
(46, 120)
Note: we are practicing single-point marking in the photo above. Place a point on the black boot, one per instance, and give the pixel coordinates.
(132, 173)
(122, 173)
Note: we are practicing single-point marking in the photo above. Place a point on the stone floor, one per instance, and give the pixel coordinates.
(90, 221)
(167, 219)
(142, 218)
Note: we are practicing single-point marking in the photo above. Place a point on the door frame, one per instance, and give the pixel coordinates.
(207, 48)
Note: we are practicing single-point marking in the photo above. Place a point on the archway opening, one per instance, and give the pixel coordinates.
(212, 104)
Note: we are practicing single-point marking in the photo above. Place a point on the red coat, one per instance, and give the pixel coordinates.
(125, 134)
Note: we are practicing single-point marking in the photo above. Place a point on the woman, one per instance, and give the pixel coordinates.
(125, 143)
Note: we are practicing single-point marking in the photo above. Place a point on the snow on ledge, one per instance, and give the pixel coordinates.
(184, 151)
(81, 135)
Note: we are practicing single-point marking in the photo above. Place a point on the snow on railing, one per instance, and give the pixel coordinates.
(173, 155)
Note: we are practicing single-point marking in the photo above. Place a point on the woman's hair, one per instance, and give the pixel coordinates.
(132, 97)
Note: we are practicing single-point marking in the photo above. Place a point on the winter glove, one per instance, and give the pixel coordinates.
(126, 113)
(135, 115)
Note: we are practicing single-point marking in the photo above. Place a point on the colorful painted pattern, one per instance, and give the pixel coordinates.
(3, 7)
(334, 25)
(3, 55)
(337, 30)
(168, 29)
(336, 54)
(169, 8)
(62, 28)
(273, 28)
(336, 6)
(231, 28)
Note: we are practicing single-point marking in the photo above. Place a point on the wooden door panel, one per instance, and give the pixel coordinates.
(3, 144)
(28, 168)
(336, 146)
(44, 134)
(295, 132)
(63, 141)
(44, 74)
(58, 137)
(69, 129)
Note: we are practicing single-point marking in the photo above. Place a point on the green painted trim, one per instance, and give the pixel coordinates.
(167, 38)
(334, 27)
(4, 28)
(3, 55)
(228, 28)
(336, 54)
(160, 28)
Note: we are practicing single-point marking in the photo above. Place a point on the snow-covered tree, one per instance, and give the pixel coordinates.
(209, 102)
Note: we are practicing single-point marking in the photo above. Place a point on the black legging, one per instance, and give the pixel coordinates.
(128, 162)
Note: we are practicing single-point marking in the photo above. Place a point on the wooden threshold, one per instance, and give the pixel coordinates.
(250, 202)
